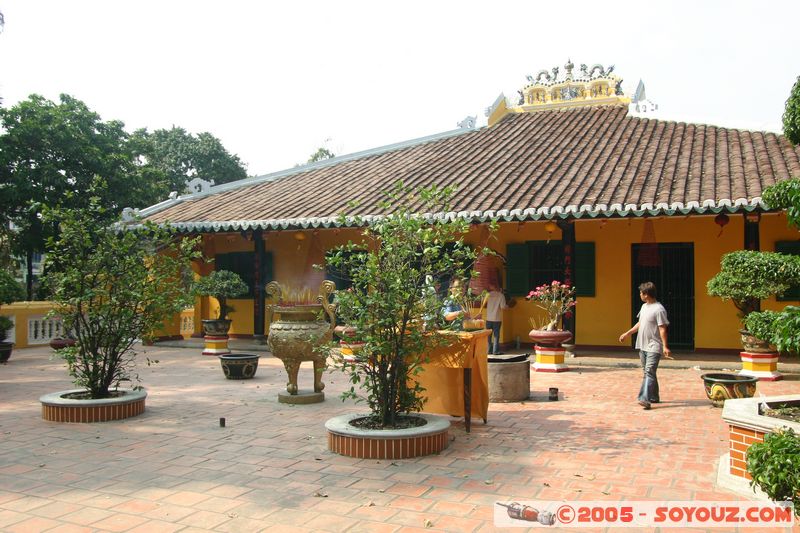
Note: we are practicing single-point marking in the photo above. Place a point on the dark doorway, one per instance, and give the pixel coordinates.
(671, 267)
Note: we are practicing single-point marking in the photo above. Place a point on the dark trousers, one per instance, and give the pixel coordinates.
(494, 338)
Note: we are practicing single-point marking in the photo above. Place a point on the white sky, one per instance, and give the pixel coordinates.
(276, 80)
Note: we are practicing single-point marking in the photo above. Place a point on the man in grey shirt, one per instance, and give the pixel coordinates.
(651, 342)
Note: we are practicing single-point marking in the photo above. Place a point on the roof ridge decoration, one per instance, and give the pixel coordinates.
(549, 90)
(199, 188)
(586, 211)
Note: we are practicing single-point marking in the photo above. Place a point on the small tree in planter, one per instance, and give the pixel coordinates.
(10, 292)
(221, 284)
(747, 277)
(110, 288)
(391, 299)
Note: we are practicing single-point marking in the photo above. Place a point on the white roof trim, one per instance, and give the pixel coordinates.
(502, 215)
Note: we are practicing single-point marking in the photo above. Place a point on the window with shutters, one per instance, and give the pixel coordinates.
(534, 263)
(789, 248)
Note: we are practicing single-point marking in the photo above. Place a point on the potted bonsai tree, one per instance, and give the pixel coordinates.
(111, 287)
(388, 306)
(221, 284)
(747, 277)
(10, 292)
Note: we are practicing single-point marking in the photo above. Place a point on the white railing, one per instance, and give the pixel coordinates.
(42, 330)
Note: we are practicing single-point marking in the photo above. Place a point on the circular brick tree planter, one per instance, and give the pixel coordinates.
(57, 408)
(348, 440)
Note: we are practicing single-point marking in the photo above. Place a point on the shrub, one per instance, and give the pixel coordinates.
(111, 288)
(747, 277)
(10, 289)
(221, 284)
(775, 467)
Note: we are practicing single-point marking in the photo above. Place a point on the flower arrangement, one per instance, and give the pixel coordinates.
(556, 299)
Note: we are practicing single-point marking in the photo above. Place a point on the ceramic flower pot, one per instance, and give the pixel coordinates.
(217, 327)
(721, 387)
(239, 365)
(753, 344)
(549, 337)
(549, 352)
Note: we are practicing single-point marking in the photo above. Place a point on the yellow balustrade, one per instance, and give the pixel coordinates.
(31, 325)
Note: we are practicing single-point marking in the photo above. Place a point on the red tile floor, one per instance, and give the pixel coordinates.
(174, 469)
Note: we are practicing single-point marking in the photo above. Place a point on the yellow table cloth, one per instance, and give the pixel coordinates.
(446, 370)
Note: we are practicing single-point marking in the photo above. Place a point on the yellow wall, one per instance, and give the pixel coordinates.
(21, 313)
(600, 319)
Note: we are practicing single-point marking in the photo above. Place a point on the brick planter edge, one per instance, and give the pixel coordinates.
(351, 441)
(56, 408)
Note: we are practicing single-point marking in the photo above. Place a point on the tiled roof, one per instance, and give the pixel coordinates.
(592, 161)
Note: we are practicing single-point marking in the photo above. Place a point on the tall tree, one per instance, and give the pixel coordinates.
(321, 154)
(791, 114)
(176, 156)
(49, 155)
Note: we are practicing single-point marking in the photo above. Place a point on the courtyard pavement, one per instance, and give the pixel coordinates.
(175, 469)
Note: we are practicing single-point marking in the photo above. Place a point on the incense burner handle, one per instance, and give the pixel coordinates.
(325, 290)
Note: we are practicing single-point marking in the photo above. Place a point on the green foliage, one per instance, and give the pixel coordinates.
(791, 114)
(785, 195)
(762, 324)
(775, 466)
(221, 284)
(391, 297)
(747, 277)
(10, 289)
(111, 288)
(50, 153)
(5, 325)
(175, 156)
(320, 155)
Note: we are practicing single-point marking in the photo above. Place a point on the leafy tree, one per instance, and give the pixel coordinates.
(49, 155)
(111, 288)
(221, 284)
(391, 297)
(747, 277)
(10, 289)
(175, 156)
(791, 115)
(321, 154)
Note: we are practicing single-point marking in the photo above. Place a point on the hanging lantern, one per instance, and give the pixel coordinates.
(721, 220)
(299, 236)
(550, 227)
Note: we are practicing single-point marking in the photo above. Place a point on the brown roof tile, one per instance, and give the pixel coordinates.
(588, 156)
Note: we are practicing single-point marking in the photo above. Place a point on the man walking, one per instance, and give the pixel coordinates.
(651, 342)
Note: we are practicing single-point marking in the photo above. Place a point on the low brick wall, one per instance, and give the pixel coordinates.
(366, 448)
(747, 426)
(351, 441)
(56, 408)
(740, 440)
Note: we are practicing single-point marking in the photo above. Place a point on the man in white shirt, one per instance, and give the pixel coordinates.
(495, 303)
(651, 342)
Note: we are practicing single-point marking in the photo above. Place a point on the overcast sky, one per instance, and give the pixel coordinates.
(276, 80)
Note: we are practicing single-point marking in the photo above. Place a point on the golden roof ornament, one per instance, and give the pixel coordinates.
(548, 90)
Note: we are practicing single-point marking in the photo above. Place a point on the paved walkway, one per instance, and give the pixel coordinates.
(174, 469)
